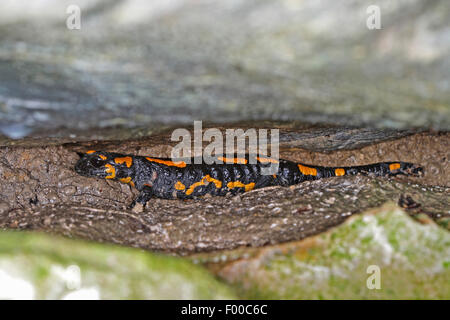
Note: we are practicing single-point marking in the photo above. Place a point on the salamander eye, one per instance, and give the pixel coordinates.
(96, 162)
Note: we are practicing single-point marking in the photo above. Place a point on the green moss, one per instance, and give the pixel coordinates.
(47, 265)
(413, 260)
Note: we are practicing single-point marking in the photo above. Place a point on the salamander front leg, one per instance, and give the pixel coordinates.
(139, 203)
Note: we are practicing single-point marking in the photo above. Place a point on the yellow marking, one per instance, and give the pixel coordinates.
(202, 182)
(274, 175)
(179, 186)
(128, 161)
(265, 160)
(90, 151)
(339, 172)
(233, 160)
(125, 180)
(102, 157)
(238, 184)
(394, 166)
(110, 169)
(307, 170)
(179, 164)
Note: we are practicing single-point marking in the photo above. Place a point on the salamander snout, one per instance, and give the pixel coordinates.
(92, 165)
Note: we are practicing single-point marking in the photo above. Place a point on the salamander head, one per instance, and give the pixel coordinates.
(103, 165)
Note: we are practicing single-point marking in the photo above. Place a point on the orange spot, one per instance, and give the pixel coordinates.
(102, 157)
(238, 184)
(179, 186)
(339, 172)
(90, 151)
(266, 160)
(394, 166)
(307, 170)
(110, 169)
(274, 175)
(125, 180)
(233, 160)
(202, 182)
(128, 161)
(215, 181)
(180, 164)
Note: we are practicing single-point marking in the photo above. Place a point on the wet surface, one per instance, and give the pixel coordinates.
(167, 62)
(42, 192)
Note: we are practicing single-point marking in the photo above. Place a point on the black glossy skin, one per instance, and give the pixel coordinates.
(160, 179)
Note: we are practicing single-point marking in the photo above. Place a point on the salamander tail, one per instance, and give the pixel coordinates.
(378, 169)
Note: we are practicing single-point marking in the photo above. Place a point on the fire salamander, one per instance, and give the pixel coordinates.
(166, 179)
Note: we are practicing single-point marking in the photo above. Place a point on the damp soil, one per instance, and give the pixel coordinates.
(41, 191)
